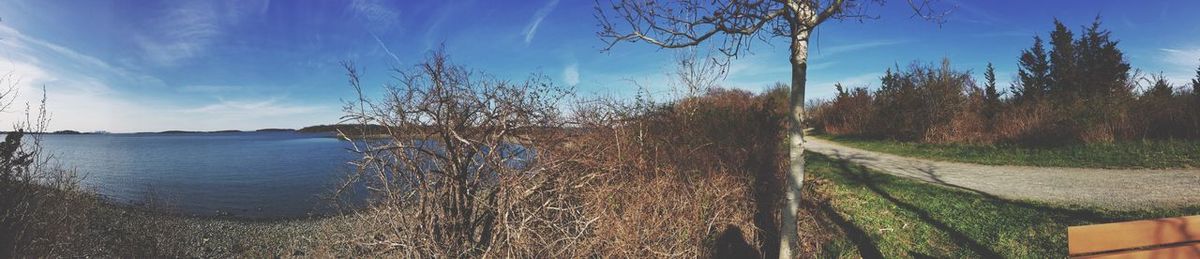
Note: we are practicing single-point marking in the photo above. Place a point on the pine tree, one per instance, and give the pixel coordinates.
(1196, 83)
(1161, 89)
(1102, 69)
(1033, 72)
(1063, 75)
(991, 97)
(990, 85)
(841, 92)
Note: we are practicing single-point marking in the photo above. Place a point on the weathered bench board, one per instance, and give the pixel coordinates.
(1156, 238)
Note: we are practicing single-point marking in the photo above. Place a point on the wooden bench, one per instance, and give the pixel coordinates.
(1156, 238)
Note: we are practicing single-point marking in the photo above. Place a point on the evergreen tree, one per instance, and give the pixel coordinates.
(1063, 77)
(1196, 83)
(1102, 69)
(990, 86)
(1161, 89)
(841, 92)
(991, 97)
(1033, 72)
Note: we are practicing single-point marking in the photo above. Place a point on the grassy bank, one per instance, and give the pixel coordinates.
(851, 211)
(1131, 154)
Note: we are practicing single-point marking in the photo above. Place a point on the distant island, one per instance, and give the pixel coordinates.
(274, 130)
(191, 131)
(353, 129)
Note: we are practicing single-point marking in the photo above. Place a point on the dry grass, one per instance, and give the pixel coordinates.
(669, 216)
(686, 179)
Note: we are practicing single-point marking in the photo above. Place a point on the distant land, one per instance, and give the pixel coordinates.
(274, 130)
(353, 129)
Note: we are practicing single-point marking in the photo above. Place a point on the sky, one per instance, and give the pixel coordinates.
(132, 66)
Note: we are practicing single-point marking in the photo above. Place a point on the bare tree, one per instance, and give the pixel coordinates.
(697, 72)
(465, 168)
(734, 24)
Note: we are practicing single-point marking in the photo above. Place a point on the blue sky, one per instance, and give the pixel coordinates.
(127, 66)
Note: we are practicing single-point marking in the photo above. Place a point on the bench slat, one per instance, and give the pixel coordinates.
(1132, 234)
(1190, 250)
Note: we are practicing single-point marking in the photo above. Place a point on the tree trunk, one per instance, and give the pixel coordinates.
(789, 238)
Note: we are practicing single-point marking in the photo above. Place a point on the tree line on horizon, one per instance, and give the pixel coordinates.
(1080, 90)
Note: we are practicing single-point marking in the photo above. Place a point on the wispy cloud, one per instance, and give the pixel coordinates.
(180, 33)
(571, 74)
(1005, 34)
(377, 15)
(258, 108)
(824, 88)
(386, 49)
(972, 14)
(1180, 64)
(531, 29)
(835, 50)
(1182, 57)
(208, 89)
(185, 31)
(21, 47)
(81, 96)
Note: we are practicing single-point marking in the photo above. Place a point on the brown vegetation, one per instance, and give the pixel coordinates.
(691, 178)
(1082, 91)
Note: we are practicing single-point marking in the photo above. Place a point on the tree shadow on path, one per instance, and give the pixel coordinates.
(860, 175)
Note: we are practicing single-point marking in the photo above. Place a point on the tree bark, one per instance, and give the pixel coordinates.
(789, 238)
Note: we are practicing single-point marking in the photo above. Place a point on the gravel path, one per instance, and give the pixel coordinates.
(1122, 189)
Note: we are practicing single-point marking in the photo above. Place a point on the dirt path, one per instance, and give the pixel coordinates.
(1107, 188)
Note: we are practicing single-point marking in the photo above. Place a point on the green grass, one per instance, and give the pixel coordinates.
(1134, 154)
(870, 214)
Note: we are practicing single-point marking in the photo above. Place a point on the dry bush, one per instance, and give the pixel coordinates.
(969, 125)
(1029, 122)
(941, 105)
(695, 178)
(851, 113)
(42, 207)
(1163, 112)
(922, 103)
(477, 167)
(467, 168)
(668, 216)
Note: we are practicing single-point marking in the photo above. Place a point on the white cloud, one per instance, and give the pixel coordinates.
(386, 49)
(823, 88)
(180, 33)
(1182, 57)
(185, 31)
(571, 74)
(531, 29)
(838, 49)
(80, 95)
(378, 16)
(1180, 64)
(268, 107)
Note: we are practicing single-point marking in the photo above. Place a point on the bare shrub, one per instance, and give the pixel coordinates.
(921, 103)
(674, 179)
(477, 167)
(42, 207)
(467, 167)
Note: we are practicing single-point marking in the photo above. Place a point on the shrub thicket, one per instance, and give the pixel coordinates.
(1081, 90)
(612, 179)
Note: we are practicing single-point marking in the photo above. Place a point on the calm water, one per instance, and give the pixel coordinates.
(254, 175)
